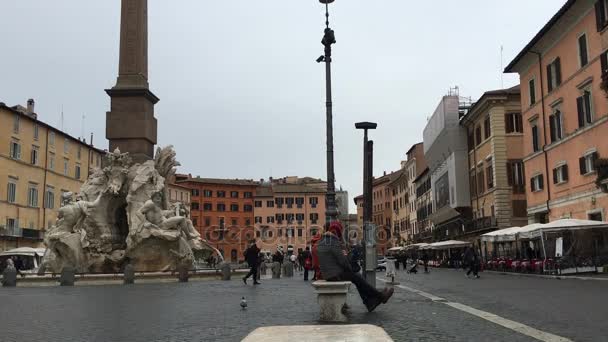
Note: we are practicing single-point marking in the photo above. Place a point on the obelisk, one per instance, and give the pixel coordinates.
(130, 123)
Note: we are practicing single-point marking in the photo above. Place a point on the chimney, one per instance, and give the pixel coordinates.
(91, 141)
(385, 173)
(30, 106)
(261, 180)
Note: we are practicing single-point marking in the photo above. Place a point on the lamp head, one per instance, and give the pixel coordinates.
(366, 125)
(326, 1)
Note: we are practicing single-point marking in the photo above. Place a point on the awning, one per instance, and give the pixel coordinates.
(28, 251)
(501, 235)
(447, 245)
(395, 249)
(416, 245)
(535, 230)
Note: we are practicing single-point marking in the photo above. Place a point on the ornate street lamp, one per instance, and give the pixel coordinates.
(331, 211)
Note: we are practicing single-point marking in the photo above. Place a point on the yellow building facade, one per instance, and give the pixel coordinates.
(37, 164)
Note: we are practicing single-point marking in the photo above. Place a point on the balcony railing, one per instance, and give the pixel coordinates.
(11, 231)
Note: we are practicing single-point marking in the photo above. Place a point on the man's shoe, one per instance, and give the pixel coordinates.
(245, 280)
(372, 304)
(256, 283)
(386, 294)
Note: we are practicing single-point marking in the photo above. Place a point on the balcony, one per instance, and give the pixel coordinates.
(458, 228)
(33, 234)
(11, 231)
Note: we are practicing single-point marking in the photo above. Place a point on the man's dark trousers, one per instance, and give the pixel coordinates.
(253, 271)
(366, 291)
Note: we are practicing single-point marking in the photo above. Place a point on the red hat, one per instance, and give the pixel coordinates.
(336, 228)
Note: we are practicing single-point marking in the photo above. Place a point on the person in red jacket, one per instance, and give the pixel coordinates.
(315, 257)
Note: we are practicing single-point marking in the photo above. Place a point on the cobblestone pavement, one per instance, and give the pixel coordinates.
(209, 311)
(570, 308)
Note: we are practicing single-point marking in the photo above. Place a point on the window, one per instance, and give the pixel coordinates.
(584, 109)
(207, 193)
(515, 174)
(513, 123)
(532, 92)
(470, 141)
(299, 218)
(537, 183)
(77, 172)
(487, 131)
(248, 194)
(299, 202)
(248, 208)
(194, 206)
(234, 207)
(280, 218)
(314, 217)
(221, 194)
(66, 146)
(299, 232)
(480, 182)
(556, 126)
(535, 137)
(194, 222)
(11, 190)
(554, 74)
(258, 204)
(65, 166)
(587, 163)
(560, 174)
(221, 207)
(16, 120)
(195, 192)
(314, 201)
(52, 138)
(477, 135)
(597, 216)
(233, 194)
(247, 223)
(270, 204)
(583, 56)
(601, 14)
(207, 221)
(269, 219)
(234, 221)
(289, 218)
(15, 150)
(79, 152)
(258, 219)
(49, 198)
(490, 174)
(289, 202)
(32, 195)
(279, 202)
(51, 161)
(34, 155)
(36, 133)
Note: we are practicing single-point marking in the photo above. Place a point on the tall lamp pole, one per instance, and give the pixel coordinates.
(331, 211)
(369, 230)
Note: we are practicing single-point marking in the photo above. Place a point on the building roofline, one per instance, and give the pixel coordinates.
(220, 181)
(515, 90)
(42, 123)
(422, 174)
(548, 26)
(413, 146)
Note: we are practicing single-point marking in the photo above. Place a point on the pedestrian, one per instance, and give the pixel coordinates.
(315, 257)
(472, 261)
(293, 259)
(252, 257)
(277, 257)
(307, 262)
(425, 261)
(336, 267)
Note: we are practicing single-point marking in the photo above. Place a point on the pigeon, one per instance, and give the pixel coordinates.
(243, 303)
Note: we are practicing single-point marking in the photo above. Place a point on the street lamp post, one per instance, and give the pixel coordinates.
(369, 230)
(331, 212)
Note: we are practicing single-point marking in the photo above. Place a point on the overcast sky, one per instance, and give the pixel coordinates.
(241, 94)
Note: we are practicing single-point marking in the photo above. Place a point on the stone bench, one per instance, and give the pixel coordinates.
(331, 296)
(353, 332)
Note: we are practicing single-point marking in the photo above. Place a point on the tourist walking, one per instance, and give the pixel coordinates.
(472, 260)
(307, 262)
(336, 267)
(425, 261)
(252, 258)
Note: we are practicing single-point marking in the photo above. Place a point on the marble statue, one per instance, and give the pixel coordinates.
(122, 213)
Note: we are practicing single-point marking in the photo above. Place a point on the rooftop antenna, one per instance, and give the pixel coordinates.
(82, 127)
(501, 68)
(61, 122)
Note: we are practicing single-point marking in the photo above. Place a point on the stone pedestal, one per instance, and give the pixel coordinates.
(129, 274)
(9, 277)
(68, 276)
(341, 332)
(226, 271)
(276, 270)
(331, 297)
(183, 273)
(288, 269)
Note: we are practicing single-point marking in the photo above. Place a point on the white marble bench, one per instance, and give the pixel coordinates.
(331, 296)
(334, 333)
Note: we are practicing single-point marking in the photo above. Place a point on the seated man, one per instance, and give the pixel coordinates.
(336, 267)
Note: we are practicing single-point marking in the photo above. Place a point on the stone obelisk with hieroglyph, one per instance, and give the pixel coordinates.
(130, 123)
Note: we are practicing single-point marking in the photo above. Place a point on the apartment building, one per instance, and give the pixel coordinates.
(38, 163)
(415, 165)
(399, 187)
(563, 72)
(495, 139)
(422, 228)
(382, 214)
(222, 210)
